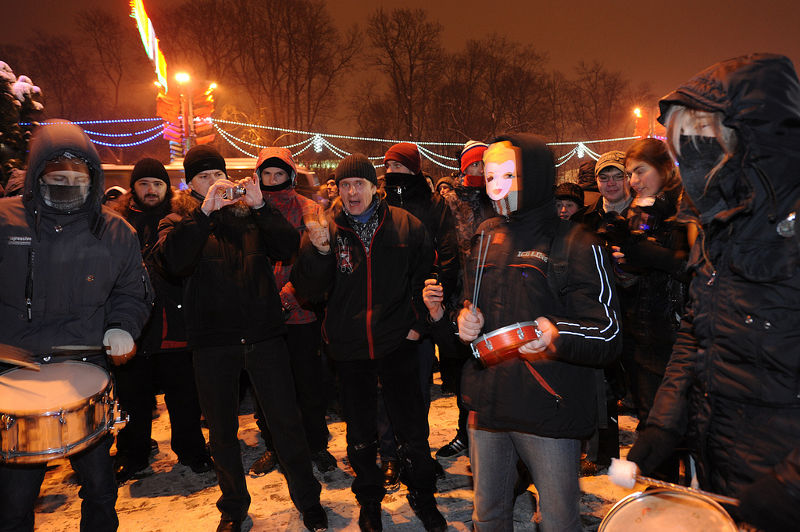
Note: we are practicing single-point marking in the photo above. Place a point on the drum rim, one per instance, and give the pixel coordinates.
(640, 494)
(73, 406)
(513, 326)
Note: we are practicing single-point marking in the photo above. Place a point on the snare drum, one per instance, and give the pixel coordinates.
(661, 509)
(503, 344)
(54, 412)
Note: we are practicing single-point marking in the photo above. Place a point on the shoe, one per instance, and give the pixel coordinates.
(265, 464)
(125, 471)
(324, 461)
(229, 525)
(153, 447)
(452, 449)
(315, 519)
(425, 509)
(438, 470)
(201, 464)
(369, 519)
(391, 474)
(588, 468)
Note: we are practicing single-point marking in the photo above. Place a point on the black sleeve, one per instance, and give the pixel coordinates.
(181, 241)
(282, 240)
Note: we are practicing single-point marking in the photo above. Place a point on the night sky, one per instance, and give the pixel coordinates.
(660, 42)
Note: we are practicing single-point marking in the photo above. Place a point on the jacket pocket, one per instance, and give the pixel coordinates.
(763, 262)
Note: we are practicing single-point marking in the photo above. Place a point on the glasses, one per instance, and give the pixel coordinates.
(605, 178)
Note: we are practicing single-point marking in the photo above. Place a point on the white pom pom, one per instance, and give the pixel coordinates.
(622, 473)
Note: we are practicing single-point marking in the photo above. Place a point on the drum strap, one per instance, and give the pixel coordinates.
(544, 384)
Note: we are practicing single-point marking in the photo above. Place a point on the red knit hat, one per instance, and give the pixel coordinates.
(472, 153)
(406, 154)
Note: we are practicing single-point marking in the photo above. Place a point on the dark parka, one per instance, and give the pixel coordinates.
(733, 381)
(229, 290)
(554, 397)
(81, 272)
(374, 298)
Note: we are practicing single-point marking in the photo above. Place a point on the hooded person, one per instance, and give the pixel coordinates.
(538, 401)
(223, 240)
(276, 172)
(569, 201)
(730, 387)
(70, 274)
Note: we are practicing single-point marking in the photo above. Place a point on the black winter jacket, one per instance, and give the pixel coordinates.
(733, 381)
(374, 299)
(229, 290)
(515, 288)
(81, 272)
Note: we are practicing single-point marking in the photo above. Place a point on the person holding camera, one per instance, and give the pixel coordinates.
(222, 239)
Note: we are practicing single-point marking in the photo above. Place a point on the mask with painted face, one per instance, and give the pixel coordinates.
(501, 173)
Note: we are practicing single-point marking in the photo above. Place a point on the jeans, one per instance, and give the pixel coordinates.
(19, 488)
(217, 372)
(553, 464)
(358, 385)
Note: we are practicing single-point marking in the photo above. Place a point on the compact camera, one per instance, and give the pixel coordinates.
(235, 192)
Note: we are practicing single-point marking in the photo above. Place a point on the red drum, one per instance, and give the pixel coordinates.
(503, 344)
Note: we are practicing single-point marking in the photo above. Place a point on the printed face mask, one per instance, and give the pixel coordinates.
(503, 185)
(698, 156)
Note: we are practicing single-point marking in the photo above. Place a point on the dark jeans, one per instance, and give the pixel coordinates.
(19, 488)
(398, 373)
(451, 371)
(137, 382)
(303, 342)
(217, 371)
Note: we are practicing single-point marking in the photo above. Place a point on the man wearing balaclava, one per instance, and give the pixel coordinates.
(222, 239)
(540, 400)
(70, 275)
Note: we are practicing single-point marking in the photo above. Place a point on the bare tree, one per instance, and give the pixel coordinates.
(599, 100)
(105, 32)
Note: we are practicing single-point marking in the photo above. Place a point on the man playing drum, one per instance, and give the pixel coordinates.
(538, 402)
(71, 274)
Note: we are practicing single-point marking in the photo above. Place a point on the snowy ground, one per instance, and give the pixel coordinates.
(169, 497)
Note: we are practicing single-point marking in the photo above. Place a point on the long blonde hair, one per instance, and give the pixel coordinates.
(680, 118)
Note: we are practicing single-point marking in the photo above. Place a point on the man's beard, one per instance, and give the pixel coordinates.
(146, 207)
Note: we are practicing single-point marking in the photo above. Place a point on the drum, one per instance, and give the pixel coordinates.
(661, 509)
(54, 412)
(503, 344)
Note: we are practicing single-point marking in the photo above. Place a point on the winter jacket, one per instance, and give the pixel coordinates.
(66, 278)
(733, 381)
(554, 397)
(225, 260)
(165, 330)
(412, 193)
(374, 298)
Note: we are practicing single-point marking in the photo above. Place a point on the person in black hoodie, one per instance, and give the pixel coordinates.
(223, 243)
(371, 260)
(540, 402)
(731, 385)
(163, 360)
(70, 274)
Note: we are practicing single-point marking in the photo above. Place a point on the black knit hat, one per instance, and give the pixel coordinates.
(202, 158)
(356, 165)
(570, 191)
(149, 167)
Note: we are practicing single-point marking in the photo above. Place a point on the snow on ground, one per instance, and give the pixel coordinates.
(168, 497)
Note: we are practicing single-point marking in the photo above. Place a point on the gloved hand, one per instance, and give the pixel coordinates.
(768, 505)
(653, 446)
(119, 345)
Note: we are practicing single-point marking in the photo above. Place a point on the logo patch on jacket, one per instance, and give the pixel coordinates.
(532, 254)
(19, 241)
(344, 256)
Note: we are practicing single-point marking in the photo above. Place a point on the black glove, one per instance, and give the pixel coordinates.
(653, 446)
(768, 504)
(645, 253)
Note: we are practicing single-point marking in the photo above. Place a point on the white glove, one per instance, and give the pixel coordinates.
(119, 344)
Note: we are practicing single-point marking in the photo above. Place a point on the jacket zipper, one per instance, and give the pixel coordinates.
(544, 384)
(29, 285)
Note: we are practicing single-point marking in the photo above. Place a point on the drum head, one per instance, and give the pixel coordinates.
(658, 510)
(56, 386)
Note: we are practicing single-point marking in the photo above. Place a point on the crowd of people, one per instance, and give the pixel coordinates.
(673, 292)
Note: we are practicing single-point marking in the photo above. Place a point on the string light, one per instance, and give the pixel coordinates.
(128, 144)
(135, 133)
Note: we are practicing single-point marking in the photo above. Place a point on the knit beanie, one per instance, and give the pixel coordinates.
(570, 191)
(356, 165)
(149, 167)
(406, 154)
(472, 153)
(202, 158)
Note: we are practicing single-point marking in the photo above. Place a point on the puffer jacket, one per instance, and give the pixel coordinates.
(65, 278)
(733, 381)
(225, 260)
(555, 397)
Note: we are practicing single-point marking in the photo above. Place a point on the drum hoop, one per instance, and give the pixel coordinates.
(640, 494)
(72, 406)
(507, 328)
(66, 450)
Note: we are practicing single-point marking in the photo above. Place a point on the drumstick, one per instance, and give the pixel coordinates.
(18, 357)
(477, 269)
(623, 473)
